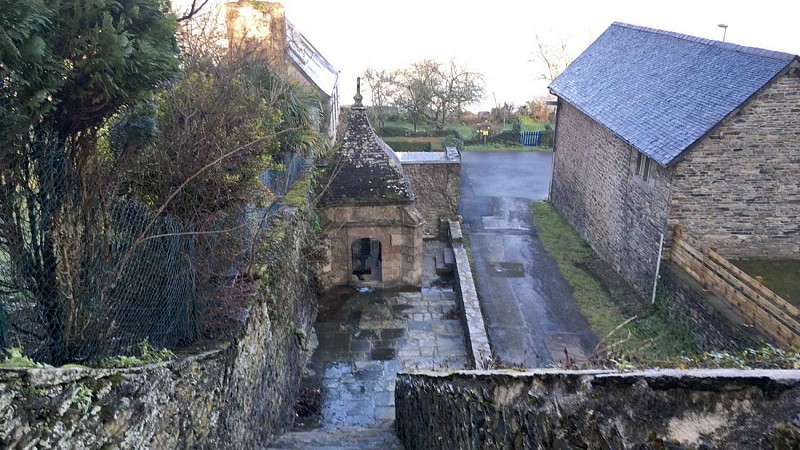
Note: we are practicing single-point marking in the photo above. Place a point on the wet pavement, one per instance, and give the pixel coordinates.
(361, 340)
(531, 316)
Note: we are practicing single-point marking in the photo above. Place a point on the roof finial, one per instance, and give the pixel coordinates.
(358, 96)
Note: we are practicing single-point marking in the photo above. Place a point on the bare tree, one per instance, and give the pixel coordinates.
(553, 55)
(429, 92)
(457, 87)
(380, 84)
(415, 90)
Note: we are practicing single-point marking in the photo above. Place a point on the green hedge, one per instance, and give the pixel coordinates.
(389, 131)
(402, 146)
(392, 131)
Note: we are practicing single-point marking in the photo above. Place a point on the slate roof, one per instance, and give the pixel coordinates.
(366, 170)
(662, 91)
(310, 61)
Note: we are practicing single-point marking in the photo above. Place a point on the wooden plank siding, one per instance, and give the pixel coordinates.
(770, 314)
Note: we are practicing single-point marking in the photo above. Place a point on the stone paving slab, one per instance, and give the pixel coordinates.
(373, 438)
(363, 338)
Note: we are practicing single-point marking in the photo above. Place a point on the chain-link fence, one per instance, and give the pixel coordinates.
(76, 296)
(86, 283)
(280, 180)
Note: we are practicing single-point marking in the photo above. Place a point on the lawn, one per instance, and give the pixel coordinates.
(496, 147)
(781, 276)
(466, 131)
(604, 299)
(405, 144)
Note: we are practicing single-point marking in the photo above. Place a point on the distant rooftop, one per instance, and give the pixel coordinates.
(310, 60)
(662, 91)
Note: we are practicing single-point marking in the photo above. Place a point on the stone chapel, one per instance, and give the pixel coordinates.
(373, 230)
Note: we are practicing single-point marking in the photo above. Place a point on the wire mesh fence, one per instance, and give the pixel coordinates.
(280, 180)
(103, 294)
(78, 290)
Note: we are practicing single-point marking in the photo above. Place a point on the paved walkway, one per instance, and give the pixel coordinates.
(361, 340)
(530, 313)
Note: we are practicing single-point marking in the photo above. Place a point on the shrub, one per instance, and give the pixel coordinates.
(453, 142)
(547, 137)
(507, 137)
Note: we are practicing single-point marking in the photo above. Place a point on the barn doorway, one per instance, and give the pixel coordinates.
(367, 259)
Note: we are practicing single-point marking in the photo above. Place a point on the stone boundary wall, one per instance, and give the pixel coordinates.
(436, 183)
(712, 325)
(472, 318)
(599, 409)
(240, 395)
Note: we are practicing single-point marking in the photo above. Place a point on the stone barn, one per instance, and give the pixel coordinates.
(373, 228)
(656, 128)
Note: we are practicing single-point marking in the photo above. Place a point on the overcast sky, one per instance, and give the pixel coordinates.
(496, 37)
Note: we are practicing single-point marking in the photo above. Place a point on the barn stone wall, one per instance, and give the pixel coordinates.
(738, 190)
(436, 186)
(595, 189)
(397, 227)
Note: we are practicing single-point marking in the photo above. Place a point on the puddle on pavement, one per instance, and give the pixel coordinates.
(506, 269)
(363, 338)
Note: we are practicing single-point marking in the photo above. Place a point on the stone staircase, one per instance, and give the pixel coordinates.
(373, 438)
(445, 262)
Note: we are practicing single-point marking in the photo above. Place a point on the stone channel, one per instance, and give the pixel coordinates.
(362, 338)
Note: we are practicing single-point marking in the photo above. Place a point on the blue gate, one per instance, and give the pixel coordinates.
(530, 138)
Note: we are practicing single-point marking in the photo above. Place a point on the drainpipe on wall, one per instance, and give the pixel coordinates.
(555, 140)
(658, 268)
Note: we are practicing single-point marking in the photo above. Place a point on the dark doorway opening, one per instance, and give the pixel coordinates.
(367, 259)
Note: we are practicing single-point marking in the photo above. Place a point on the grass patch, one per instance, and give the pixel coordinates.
(467, 131)
(495, 147)
(780, 276)
(608, 303)
(419, 144)
(464, 131)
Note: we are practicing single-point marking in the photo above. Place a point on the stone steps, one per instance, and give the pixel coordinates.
(355, 438)
(445, 262)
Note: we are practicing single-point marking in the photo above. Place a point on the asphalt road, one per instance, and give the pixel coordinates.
(531, 316)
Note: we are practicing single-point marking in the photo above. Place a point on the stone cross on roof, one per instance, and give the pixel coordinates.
(358, 97)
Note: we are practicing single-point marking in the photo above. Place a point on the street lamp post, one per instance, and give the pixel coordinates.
(724, 30)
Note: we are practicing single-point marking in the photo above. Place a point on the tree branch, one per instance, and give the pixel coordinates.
(193, 10)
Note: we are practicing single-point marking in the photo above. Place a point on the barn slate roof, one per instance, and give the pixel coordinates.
(365, 170)
(662, 91)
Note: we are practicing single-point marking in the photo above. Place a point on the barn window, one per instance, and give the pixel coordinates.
(646, 172)
(643, 163)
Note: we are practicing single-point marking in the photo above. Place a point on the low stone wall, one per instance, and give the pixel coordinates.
(436, 182)
(596, 409)
(711, 328)
(478, 349)
(240, 395)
